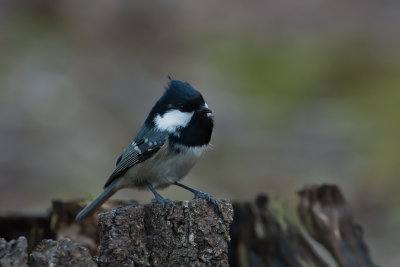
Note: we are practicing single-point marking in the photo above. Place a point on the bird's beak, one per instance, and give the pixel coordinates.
(205, 109)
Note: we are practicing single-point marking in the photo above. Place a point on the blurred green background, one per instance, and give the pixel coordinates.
(302, 92)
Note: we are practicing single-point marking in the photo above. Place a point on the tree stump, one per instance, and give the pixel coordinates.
(192, 233)
(188, 233)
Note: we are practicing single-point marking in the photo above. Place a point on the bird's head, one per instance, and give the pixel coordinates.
(177, 107)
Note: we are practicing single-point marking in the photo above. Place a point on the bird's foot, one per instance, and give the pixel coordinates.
(210, 199)
(206, 196)
(198, 194)
(158, 198)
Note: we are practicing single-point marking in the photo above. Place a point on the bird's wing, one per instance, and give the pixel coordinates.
(146, 143)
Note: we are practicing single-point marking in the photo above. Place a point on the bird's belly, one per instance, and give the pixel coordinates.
(164, 168)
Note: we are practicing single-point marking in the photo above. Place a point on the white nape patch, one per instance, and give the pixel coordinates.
(172, 119)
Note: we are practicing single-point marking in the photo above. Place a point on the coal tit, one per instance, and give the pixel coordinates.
(172, 139)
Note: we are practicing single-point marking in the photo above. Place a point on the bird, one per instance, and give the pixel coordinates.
(174, 136)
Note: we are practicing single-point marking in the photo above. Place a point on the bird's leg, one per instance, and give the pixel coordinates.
(197, 193)
(158, 197)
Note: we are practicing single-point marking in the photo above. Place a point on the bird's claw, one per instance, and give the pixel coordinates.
(206, 196)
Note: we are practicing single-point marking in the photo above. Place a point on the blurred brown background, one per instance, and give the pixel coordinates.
(302, 92)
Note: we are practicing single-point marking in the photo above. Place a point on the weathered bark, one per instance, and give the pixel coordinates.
(261, 237)
(14, 253)
(61, 253)
(328, 219)
(189, 233)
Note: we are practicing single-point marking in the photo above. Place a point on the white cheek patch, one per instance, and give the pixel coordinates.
(172, 120)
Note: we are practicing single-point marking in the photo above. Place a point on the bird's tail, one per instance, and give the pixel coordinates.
(97, 202)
